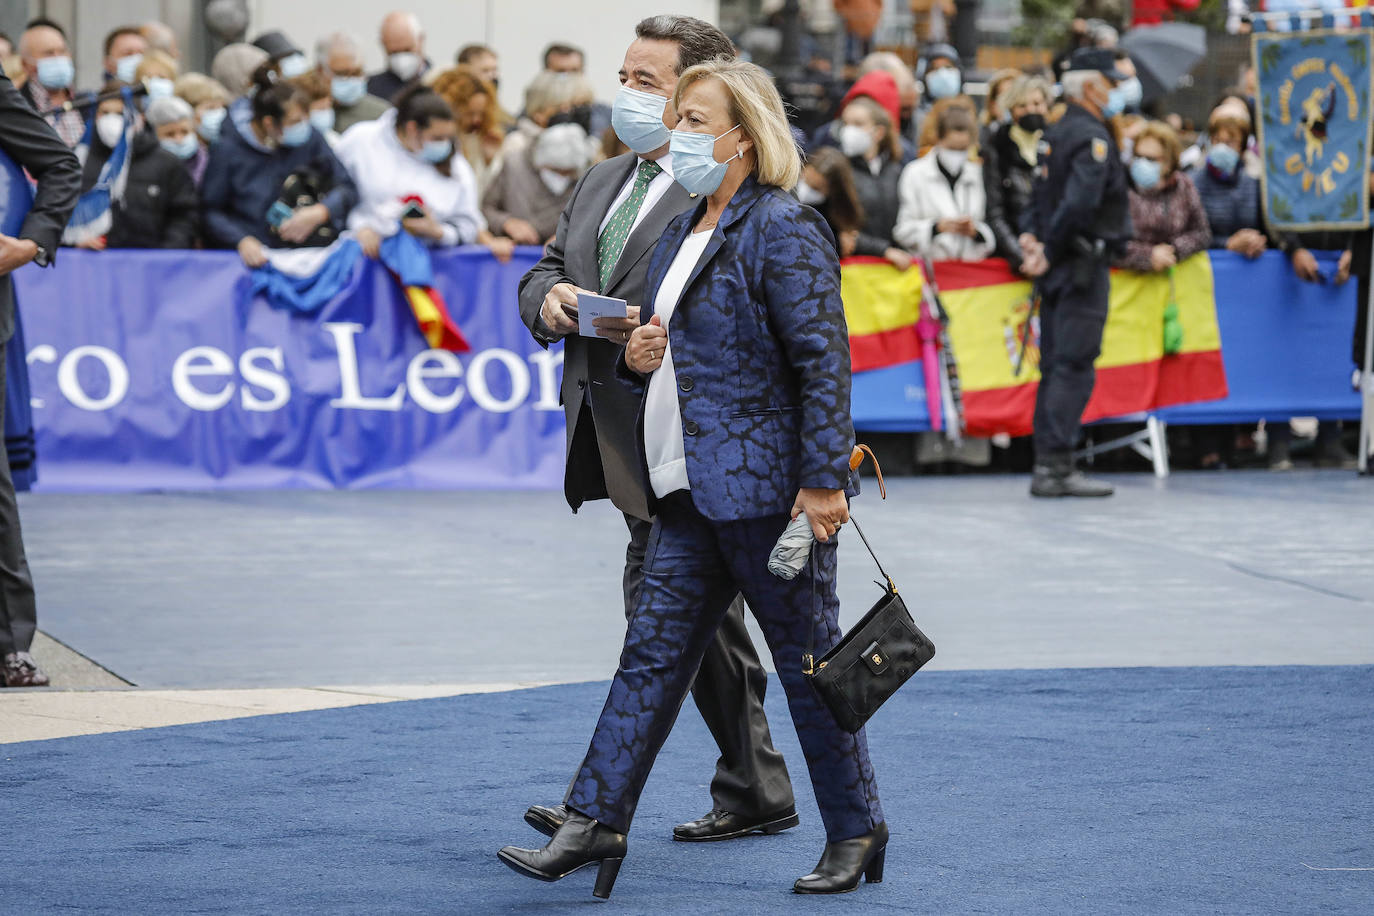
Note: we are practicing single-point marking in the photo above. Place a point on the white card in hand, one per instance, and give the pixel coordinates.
(591, 307)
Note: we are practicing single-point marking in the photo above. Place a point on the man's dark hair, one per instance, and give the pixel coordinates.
(420, 104)
(44, 22)
(469, 53)
(697, 41)
(560, 48)
(111, 38)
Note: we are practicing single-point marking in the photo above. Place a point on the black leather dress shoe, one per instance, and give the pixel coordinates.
(579, 843)
(545, 819)
(725, 825)
(844, 862)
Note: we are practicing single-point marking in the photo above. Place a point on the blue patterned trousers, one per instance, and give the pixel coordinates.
(692, 570)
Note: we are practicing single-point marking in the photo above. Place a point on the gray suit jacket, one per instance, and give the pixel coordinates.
(603, 451)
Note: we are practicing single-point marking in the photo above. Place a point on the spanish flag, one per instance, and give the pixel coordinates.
(988, 306)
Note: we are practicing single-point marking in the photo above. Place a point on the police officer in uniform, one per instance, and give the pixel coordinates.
(1080, 215)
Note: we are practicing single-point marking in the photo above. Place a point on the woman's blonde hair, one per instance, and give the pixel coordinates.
(557, 90)
(757, 108)
(197, 89)
(1021, 89)
(159, 61)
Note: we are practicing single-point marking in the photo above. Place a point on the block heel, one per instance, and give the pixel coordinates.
(605, 877)
(874, 873)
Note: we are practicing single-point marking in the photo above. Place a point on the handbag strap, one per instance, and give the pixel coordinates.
(809, 658)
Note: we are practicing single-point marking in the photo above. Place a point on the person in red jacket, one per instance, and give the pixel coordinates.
(1153, 12)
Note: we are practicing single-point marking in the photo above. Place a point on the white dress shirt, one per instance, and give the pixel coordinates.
(657, 188)
(663, 445)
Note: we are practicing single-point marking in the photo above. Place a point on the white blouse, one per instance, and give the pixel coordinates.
(663, 446)
(386, 173)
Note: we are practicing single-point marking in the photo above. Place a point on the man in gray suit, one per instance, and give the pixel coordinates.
(32, 143)
(616, 215)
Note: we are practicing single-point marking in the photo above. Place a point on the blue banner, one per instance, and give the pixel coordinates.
(156, 370)
(1315, 127)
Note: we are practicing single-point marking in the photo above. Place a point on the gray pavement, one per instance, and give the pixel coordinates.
(297, 588)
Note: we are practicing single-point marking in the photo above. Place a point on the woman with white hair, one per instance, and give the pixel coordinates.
(744, 424)
(173, 121)
(548, 96)
(527, 196)
(409, 179)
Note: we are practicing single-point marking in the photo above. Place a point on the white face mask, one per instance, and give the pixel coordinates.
(809, 195)
(556, 182)
(953, 160)
(855, 140)
(109, 128)
(404, 64)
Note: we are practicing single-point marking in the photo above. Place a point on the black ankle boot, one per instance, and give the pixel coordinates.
(580, 842)
(842, 863)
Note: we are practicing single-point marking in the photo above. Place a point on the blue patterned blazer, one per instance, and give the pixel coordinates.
(761, 351)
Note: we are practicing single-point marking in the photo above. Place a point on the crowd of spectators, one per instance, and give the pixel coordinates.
(273, 149)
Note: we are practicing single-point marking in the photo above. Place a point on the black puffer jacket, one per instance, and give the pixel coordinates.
(878, 194)
(160, 206)
(1008, 180)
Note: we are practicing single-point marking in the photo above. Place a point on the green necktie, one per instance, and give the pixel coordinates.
(612, 241)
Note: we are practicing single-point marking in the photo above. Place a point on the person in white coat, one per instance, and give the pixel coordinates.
(409, 179)
(942, 215)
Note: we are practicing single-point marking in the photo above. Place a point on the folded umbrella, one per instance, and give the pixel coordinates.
(1165, 54)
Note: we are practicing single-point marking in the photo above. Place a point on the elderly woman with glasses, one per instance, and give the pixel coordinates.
(743, 362)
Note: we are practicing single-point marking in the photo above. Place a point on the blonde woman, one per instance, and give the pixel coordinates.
(743, 363)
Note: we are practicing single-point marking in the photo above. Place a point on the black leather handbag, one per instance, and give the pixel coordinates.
(873, 659)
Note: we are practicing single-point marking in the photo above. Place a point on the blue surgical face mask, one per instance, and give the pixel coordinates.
(126, 68)
(184, 148)
(1116, 103)
(1132, 91)
(322, 119)
(159, 87)
(638, 120)
(56, 72)
(1145, 173)
(943, 83)
(1223, 157)
(694, 161)
(436, 151)
(348, 90)
(297, 134)
(293, 65)
(211, 119)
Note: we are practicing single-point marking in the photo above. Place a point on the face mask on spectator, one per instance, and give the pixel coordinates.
(126, 68)
(562, 147)
(855, 140)
(809, 195)
(292, 66)
(56, 72)
(436, 151)
(1116, 103)
(1223, 157)
(211, 119)
(637, 118)
(1145, 173)
(943, 83)
(952, 160)
(405, 64)
(322, 119)
(1031, 122)
(694, 161)
(348, 90)
(296, 134)
(109, 128)
(159, 87)
(556, 182)
(184, 148)
(1132, 91)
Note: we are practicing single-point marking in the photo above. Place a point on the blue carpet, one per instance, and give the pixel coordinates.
(1112, 790)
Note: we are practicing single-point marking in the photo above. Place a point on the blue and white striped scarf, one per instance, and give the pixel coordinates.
(93, 214)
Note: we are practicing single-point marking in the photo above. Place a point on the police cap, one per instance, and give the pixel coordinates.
(1103, 60)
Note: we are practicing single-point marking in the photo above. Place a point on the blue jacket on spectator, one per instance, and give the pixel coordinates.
(244, 178)
(1232, 204)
